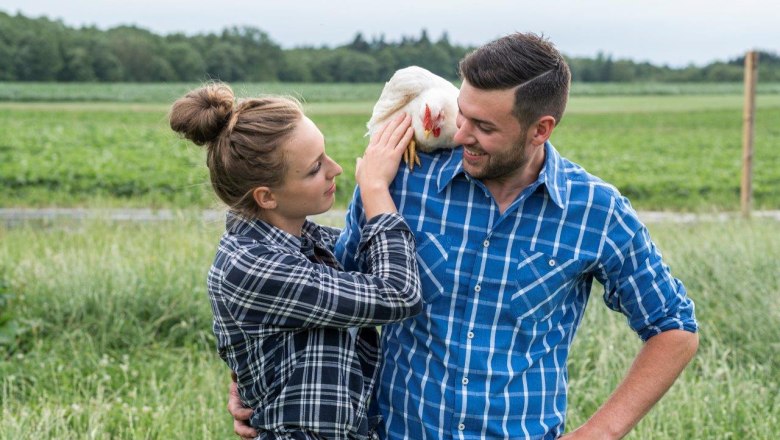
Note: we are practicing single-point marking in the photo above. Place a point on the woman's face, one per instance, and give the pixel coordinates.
(309, 185)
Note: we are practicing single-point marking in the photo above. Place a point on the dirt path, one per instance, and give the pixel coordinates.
(18, 216)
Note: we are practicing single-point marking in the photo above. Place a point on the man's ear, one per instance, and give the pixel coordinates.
(542, 130)
(264, 197)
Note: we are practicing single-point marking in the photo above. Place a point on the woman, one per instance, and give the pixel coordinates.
(298, 332)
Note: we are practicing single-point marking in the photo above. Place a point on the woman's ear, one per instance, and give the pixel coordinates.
(264, 197)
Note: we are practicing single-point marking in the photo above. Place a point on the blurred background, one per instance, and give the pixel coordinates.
(108, 224)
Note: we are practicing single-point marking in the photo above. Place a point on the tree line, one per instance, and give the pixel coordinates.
(40, 49)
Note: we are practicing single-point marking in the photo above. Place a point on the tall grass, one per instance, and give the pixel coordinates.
(116, 339)
(732, 271)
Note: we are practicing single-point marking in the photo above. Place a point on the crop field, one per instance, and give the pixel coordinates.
(674, 152)
(105, 326)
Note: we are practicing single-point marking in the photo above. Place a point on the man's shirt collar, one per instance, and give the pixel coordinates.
(552, 175)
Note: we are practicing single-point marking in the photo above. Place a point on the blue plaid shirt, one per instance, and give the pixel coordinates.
(504, 295)
(283, 312)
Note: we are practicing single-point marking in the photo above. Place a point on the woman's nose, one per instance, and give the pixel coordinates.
(335, 168)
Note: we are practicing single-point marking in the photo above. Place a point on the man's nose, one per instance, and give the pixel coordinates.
(462, 136)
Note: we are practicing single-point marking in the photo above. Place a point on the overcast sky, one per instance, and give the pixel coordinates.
(663, 32)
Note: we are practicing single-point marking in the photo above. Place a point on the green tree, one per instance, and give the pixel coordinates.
(106, 65)
(78, 65)
(359, 44)
(187, 63)
(722, 72)
(261, 57)
(351, 66)
(387, 62)
(225, 62)
(160, 70)
(137, 51)
(6, 68)
(39, 49)
(8, 44)
(296, 66)
(38, 57)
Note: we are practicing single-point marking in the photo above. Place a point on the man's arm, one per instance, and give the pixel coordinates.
(656, 367)
(346, 248)
(639, 284)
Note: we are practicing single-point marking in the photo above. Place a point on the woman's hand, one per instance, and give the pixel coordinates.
(379, 164)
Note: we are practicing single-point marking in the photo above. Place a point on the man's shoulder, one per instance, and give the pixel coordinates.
(433, 167)
(586, 186)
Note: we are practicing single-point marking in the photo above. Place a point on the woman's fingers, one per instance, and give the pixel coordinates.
(399, 132)
(399, 148)
(390, 128)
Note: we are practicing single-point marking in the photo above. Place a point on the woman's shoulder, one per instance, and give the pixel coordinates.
(324, 235)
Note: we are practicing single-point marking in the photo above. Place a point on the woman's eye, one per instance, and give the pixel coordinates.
(316, 168)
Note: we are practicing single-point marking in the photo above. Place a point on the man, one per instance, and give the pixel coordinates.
(510, 236)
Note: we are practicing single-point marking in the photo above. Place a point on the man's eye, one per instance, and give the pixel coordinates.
(484, 129)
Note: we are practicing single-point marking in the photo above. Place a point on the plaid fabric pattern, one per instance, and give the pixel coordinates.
(286, 318)
(504, 295)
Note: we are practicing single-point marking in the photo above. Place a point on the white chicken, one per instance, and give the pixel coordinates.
(432, 102)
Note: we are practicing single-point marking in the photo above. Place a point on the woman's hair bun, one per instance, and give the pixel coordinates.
(202, 114)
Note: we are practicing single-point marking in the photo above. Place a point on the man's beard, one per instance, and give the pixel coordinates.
(504, 165)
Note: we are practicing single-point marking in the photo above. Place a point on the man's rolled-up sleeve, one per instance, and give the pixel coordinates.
(639, 284)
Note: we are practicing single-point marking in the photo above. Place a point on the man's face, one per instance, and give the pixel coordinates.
(493, 139)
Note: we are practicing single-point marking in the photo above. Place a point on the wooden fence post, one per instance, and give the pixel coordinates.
(748, 119)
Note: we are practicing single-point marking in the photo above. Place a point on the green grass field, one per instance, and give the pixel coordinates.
(311, 92)
(665, 152)
(105, 327)
(114, 336)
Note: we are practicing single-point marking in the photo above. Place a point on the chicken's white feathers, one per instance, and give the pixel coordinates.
(410, 90)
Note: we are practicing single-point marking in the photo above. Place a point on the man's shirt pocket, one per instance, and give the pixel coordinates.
(543, 283)
(434, 265)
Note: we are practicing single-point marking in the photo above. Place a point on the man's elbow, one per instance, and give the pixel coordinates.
(683, 343)
(692, 344)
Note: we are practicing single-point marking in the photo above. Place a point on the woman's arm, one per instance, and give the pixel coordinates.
(263, 286)
(379, 164)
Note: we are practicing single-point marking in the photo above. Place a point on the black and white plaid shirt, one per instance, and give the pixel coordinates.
(298, 331)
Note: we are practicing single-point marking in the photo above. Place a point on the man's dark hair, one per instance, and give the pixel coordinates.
(528, 62)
